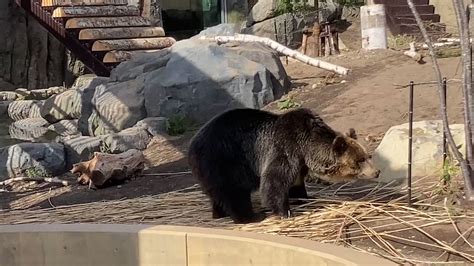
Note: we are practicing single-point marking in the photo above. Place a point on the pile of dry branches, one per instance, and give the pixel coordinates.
(371, 218)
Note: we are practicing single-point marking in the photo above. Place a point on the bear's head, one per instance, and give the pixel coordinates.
(349, 160)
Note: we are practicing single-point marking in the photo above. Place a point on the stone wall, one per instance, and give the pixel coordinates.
(30, 57)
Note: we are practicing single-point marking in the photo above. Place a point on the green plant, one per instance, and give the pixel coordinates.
(400, 42)
(104, 147)
(33, 172)
(288, 103)
(178, 125)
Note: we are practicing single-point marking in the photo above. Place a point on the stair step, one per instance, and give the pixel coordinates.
(410, 19)
(58, 3)
(106, 22)
(120, 33)
(402, 10)
(95, 11)
(114, 57)
(133, 44)
(400, 2)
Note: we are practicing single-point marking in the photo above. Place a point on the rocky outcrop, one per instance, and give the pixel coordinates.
(391, 156)
(130, 138)
(18, 110)
(42, 157)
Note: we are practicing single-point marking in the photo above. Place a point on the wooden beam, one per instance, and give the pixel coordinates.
(106, 22)
(133, 44)
(57, 3)
(113, 57)
(95, 11)
(120, 33)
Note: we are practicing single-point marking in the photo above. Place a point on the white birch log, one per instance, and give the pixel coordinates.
(281, 49)
(413, 53)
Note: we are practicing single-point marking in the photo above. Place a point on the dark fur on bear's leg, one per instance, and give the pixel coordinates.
(276, 185)
(218, 211)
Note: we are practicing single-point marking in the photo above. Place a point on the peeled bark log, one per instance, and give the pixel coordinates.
(281, 49)
(53, 3)
(120, 33)
(106, 22)
(120, 56)
(95, 11)
(133, 44)
(104, 168)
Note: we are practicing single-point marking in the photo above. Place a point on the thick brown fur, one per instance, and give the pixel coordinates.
(244, 150)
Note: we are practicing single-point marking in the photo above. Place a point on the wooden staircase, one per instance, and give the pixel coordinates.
(401, 20)
(101, 33)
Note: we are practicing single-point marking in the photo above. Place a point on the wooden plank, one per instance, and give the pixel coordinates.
(95, 11)
(133, 44)
(57, 3)
(120, 33)
(113, 57)
(106, 22)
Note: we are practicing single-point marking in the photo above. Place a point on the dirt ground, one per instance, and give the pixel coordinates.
(371, 99)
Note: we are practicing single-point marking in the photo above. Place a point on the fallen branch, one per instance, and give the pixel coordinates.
(105, 167)
(53, 180)
(281, 49)
(414, 54)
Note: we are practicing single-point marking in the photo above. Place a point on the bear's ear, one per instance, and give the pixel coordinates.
(352, 133)
(339, 145)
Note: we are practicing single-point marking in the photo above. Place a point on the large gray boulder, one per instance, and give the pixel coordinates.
(80, 149)
(65, 128)
(262, 10)
(42, 157)
(155, 126)
(130, 138)
(391, 156)
(202, 79)
(18, 110)
(31, 129)
(295, 24)
(117, 106)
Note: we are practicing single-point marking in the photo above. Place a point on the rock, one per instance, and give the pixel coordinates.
(117, 106)
(262, 10)
(155, 126)
(295, 24)
(6, 86)
(21, 109)
(202, 79)
(130, 138)
(65, 128)
(80, 149)
(86, 87)
(62, 106)
(224, 29)
(35, 111)
(391, 156)
(141, 63)
(43, 94)
(47, 158)
(4, 108)
(9, 96)
(31, 129)
(330, 10)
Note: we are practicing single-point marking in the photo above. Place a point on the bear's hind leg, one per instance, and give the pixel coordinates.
(238, 205)
(218, 211)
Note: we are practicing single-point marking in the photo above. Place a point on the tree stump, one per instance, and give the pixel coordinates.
(106, 168)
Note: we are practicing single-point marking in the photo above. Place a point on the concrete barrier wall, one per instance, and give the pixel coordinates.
(140, 245)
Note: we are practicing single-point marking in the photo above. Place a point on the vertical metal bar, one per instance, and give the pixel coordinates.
(444, 129)
(410, 139)
(286, 39)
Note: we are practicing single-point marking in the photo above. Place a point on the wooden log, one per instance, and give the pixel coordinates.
(106, 22)
(56, 3)
(120, 33)
(281, 49)
(133, 44)
(113, 57)
(107, 168)
(95, 11)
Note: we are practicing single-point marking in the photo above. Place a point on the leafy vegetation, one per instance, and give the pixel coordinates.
(178, 125)
(288, 103)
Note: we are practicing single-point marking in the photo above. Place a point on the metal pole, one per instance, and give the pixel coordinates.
(410, 139)
(444, 129)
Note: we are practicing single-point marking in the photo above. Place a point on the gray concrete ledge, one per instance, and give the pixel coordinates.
(139, 245)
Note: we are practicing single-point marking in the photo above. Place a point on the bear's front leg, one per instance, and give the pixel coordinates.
(274, 188)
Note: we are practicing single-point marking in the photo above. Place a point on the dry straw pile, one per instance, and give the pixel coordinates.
(372, 218)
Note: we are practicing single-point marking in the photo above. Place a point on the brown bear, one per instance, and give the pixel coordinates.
(244, 150)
